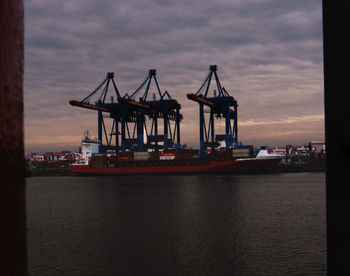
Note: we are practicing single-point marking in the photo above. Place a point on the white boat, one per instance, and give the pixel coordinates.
(265, 154)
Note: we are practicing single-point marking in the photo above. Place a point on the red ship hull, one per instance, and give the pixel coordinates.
(227, 166)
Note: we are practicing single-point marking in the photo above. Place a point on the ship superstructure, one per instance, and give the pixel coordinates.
(89, 147)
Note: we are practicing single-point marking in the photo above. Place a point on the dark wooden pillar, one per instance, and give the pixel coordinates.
(336, 19)
(12, 170)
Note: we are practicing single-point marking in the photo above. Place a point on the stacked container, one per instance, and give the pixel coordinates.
(221, 155)
(141, 155)
(167, 156)
(98, 160)
(242, 153)
(125, 156)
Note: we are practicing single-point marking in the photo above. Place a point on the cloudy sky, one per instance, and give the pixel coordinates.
(268, 52)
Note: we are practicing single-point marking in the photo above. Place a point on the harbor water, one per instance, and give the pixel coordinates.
(268, 224)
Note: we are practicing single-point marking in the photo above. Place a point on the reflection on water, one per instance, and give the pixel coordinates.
(161, 225)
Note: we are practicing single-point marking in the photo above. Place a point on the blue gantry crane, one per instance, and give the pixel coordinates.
(219, 105)
(118, 112)
(161, 107)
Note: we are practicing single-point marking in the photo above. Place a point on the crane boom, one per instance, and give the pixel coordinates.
(90, 106)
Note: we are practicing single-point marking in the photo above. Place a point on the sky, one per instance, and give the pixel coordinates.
(269, 55)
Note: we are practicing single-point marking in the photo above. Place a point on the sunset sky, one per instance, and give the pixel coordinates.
(269, 57)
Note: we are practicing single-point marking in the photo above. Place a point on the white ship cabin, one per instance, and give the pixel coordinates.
(88, 147)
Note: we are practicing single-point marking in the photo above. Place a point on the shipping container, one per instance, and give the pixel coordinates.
(242, 153)
(124, 158)
(141, 155)
(155, 155)
(126, 153)
(167, 156)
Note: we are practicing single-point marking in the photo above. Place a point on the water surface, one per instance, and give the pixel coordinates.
(177, 225)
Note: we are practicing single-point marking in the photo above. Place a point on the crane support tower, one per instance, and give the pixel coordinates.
(219, 106)
(160, 107)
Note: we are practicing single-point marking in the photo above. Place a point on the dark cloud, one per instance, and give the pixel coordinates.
(269, 55)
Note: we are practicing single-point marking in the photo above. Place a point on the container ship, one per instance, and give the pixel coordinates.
(145, 129)
(174, 161)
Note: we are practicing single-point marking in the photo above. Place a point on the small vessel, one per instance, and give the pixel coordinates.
(263, 162)
(266, 154)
